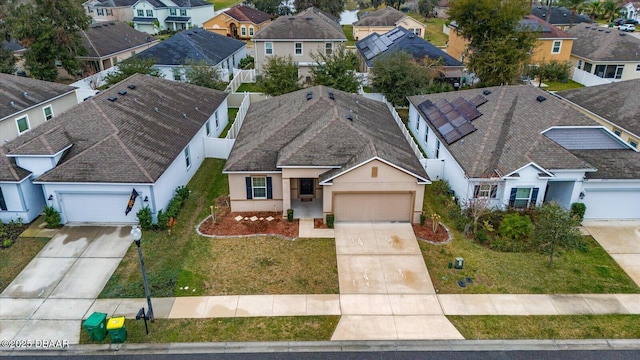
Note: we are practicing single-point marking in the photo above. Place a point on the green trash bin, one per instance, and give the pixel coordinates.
(96, 326)
(117, 329)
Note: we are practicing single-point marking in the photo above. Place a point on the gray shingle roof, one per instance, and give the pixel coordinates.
(131, 140)
(289, 130)
(310, 24)
(9, 171)
(612, 164)
(621, 105)
(193, 45)
(559, 15)
(107, 38)
(603, 44)
(509, 131)
(115, 3)
(13, 98)
(387, 16)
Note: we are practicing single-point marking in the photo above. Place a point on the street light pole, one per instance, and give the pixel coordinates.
(136, 234)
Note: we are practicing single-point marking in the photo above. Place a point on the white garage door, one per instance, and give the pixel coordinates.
(373, 207)
(98, 208)
(612, 204)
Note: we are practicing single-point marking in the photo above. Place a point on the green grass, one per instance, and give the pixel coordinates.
(223, 4)
(433, 31)
(16, 257)
(348, 32)
(298, 328)
(493, 272)
(559, 86)
(548, 327)
(232, 116)
(249, 87)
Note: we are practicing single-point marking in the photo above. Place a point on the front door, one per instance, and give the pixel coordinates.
(306, 187)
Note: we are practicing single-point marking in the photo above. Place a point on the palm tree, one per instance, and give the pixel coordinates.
(610, 10)
(573, 5)
(594, 9)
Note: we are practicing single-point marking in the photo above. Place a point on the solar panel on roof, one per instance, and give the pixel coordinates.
(479, 100)
(386, 41)
(451, 119)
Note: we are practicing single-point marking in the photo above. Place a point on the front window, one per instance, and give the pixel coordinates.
(243, 31)
(90, 10)
(172, 12)
(23, 124)
(557, 44)
(183, 12)
(328, 48)
(415, 31)
(588, 67)
(250, 30)
(609, 71)
(523, 196)
(149, 13)
(177, 74)
(215, 115)
(48, 112)
(259, 187)
(298, 48)
(109, 12)
(187, 157)
(485, 191)
(140, 12)
(100, 12)
(268, 48)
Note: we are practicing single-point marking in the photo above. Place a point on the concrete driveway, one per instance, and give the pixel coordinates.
(385, 289)
(621, 239)
(57, 288)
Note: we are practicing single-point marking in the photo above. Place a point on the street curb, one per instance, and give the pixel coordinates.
(337, 346)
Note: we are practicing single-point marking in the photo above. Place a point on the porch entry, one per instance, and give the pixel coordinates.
(306, 188)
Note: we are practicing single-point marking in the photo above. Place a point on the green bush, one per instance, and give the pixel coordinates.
(246, 63)
(330, 220)
(173, 209)
(578, 210)
(289, 215)
(51, 217)
(183, 193)
(516, 227)
(163, 219)
(7, 243)
(482, 237)
(440, 187)
(144, 218)
(423, 219)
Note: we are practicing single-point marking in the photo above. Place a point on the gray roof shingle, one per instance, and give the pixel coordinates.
(114, 3)
(621, 105)
(289, 130)
(310, 24)
(18, 93)
(509, 131)
(107, 38)
(130, 140)
(559, 15)
(612, 164)
(387, 16)
(193, 45)
(602, 44)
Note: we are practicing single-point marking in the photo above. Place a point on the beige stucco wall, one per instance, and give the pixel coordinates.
(238, 194)
(284, 48)
(221, 23)
(388, 179)
(124, 14)
(9, 128)
(542, 52)
(361, 32)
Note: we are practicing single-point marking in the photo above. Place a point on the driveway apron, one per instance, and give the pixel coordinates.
(385, 289)
(621, 239)
(51, 296)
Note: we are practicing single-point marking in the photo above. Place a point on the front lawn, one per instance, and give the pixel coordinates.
(433, 32)
(211, 266)
(223, 4)
(17, 256)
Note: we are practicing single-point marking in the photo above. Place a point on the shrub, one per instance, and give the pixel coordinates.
(516, 227)
(578, 210)
(173, 209)
(482, 237)
(183, 193)
(51, 217)
(246, 63)
(423, 219)
(144, 218)
(163, 219)
(7, 243)
(440, 187)
(289, 215)
(330, 220)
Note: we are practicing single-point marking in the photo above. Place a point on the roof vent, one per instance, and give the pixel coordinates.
(12, 103)
(309, 95)
(197, 109)
(308, 18)
(607, 31)
(184, 115)
(331, 95)
(543, 14)
(623, 34)
(122, 92)
(541, 98)
(587, 27)
(156, 109)
(291, 18)
(349, 117)
(564, 14)
(486, 92)
(25, 94)
(131, 86)
(112, 98)
(600, 29)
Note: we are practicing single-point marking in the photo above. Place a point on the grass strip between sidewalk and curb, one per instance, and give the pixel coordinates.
(286, 328)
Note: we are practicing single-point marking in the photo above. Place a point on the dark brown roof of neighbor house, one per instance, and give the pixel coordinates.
(387, 16)
(603, 44)
(308, 24)
(246, 13)
(108, 38)
(118, 137)
(509, 130)
(18, 93)
(309, 128)
(620, 105)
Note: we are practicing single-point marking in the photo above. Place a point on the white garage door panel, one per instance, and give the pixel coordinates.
(373, 207)
(612, 204)
(98, 208)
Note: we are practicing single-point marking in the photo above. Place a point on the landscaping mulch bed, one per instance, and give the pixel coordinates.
(226, 224)
(319, 224)
(426, 232)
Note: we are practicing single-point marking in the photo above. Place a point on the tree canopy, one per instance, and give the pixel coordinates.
(133, 65)
(279, 76)
(50, 30)
(333, 7)
(555, 229)
(336, 70)
(203, 74)
(273, 7)
(553, 70)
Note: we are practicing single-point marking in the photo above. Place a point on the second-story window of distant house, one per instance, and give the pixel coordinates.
(109, 12)
(100, 12)
(140, 12)
(298, 48)
(149, 13)
(250, 30)
(172, 12)
(183, 12)
(89, 10)
(557, 44)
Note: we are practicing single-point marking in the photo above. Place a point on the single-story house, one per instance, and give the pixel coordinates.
(604, 54)
(384, 20)
(110, 10)
(240, 22)
(322, 151)
(400, 39)
(618, 110)
(27, 103)
(519, 146)
(108, 43)
(559, 17)
(144, 133)
(195, 45)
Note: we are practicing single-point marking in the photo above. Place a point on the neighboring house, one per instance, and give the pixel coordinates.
(195, 45)
(519, 146)
(552, 43)
(152, 16)
(441, 10)
(144, 133)
(18, 51)
(322, 151)
(605, 53)
(633, 10)
(241, 22)
(618, 109)
(384, 20)
(110, 10)
(27, 103)
(108, 43)
(400, 39)
(309, 31)
(560, 17)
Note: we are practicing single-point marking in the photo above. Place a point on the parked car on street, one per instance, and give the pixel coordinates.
(627, 27)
